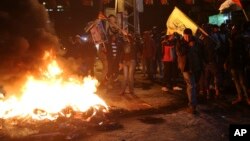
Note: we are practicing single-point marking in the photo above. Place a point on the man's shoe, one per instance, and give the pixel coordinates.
(165, 89)
(236, 101)
(248, 101)
(192, 110)
(176, 88)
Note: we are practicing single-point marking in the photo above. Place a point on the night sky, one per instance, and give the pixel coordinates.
(75, 17)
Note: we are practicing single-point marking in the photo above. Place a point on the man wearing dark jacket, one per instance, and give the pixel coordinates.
(189, 62)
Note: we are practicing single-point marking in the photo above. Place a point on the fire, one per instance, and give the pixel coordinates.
(48, 96)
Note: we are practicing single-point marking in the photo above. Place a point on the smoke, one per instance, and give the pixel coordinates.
(25, 34)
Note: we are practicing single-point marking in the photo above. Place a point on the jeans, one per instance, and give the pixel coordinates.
(191, 88)
(128, 72)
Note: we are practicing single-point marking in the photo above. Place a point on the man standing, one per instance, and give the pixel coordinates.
(189, 62)
(128, 60)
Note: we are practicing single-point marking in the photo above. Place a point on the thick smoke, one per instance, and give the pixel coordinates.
(25, 34)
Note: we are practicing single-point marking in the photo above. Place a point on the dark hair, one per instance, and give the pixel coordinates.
(111, 15)
(188, 31)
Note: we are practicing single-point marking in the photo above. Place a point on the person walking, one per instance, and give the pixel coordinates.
(189, 62)
(237, 62)
(128, 61)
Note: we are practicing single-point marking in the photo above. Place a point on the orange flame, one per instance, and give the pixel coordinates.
(47, 97)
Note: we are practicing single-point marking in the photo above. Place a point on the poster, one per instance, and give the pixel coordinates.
(98, 33)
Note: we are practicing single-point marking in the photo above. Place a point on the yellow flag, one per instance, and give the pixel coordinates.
(178, 21)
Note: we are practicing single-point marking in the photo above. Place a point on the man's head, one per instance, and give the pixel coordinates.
(187, 34)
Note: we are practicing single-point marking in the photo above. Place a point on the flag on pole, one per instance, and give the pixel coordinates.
(164, 2)
(238, 3)
(228, 3)
(178, 21)
(87, 2)
(149, 1)
(189, 2)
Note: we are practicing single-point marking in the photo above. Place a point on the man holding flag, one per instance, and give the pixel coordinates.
(189, 57)
(189, 53)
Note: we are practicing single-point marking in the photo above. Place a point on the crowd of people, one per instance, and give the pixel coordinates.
(203, 60)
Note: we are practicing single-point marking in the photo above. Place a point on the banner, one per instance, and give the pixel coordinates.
(98, 33)
(139, 5)
(178, 21)
(119, 5)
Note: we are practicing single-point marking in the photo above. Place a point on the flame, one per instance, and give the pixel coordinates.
(47, 97)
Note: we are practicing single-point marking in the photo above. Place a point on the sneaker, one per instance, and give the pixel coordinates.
(192, 110)
(165, 89)
(236, 101)
(176, 88)
(248, 101)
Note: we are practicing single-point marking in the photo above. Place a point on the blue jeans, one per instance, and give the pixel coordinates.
(191, 88)
(128, 73)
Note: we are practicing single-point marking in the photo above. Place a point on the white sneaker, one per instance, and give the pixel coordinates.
(165, 89)
(176, 88)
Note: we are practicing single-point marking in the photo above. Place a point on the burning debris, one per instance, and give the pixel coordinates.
(38, 98)
(51, 99)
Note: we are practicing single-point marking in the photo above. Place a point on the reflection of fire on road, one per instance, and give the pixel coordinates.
(48, 96)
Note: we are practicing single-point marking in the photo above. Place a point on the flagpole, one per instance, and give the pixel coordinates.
(203, 31)
(245, 14)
